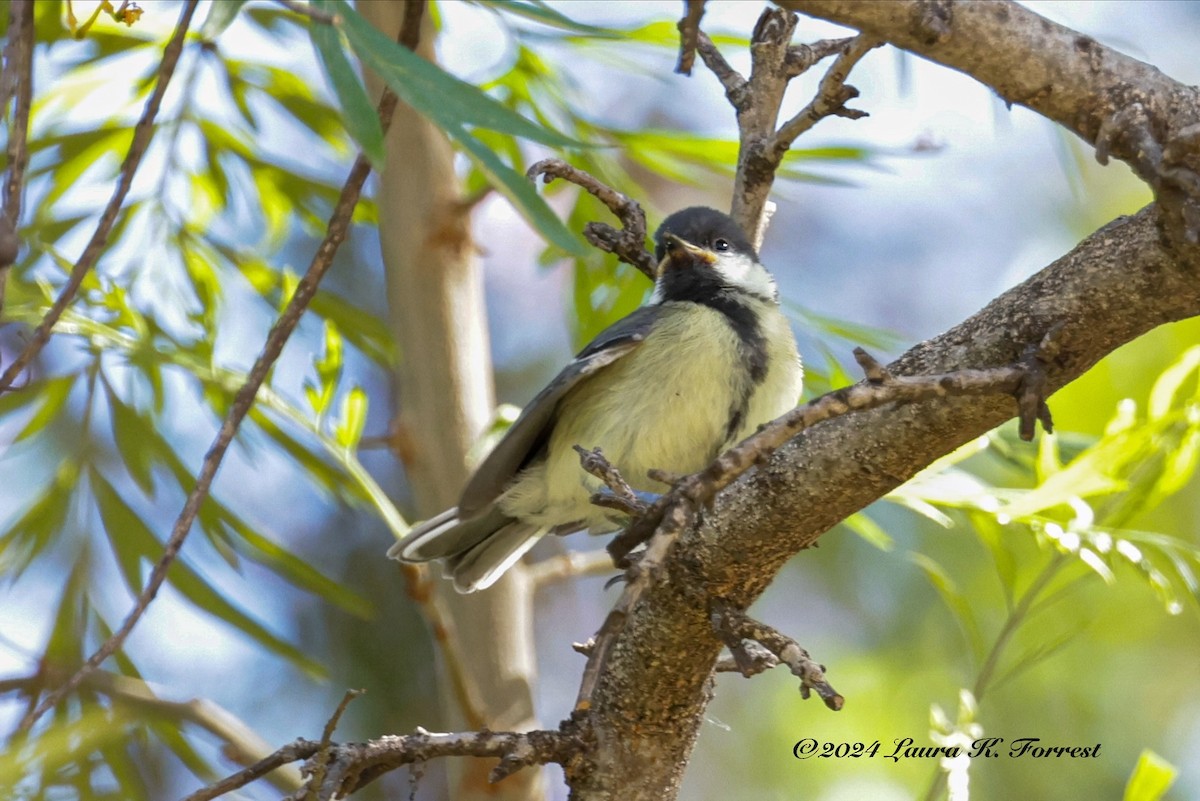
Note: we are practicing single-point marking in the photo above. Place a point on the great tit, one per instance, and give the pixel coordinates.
(706, 361)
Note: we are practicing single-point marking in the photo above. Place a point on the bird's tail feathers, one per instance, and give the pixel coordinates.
(478, 567)
(445, 535)
(476, 551)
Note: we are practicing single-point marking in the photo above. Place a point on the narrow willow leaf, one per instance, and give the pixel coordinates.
(452, 104)
(869, 530)
(1048, 462)
(220, 16)
(64, 746)
(125, 527)
(433, 92)
(521, 192)
(1180, 465)
(65, 645)
(120, 523)
(857, 333)
(349, 428)
(358, 112)
(1151, 778)
(326, 476)
(35, 528)
(1034, 656)
(1162, 396)
(53, 395)
(541, 12)
(955, 601)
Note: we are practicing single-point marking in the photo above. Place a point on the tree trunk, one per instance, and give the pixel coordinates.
(445, 400)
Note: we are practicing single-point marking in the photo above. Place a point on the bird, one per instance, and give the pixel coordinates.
(701, 365)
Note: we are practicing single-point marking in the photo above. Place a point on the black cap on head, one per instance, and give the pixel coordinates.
(702, 226)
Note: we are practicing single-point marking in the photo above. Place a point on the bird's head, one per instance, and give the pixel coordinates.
(702, 250)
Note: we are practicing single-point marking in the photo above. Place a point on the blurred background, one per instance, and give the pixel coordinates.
(889, 230)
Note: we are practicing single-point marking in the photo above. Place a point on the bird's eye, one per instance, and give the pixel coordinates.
(721, 245)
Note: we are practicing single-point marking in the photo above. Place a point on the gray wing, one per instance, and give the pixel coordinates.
(528, 434)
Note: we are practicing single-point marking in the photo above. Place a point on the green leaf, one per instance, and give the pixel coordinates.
(856, 333)
(869, 530)
(349, 428)
(1152, 777)
(539, 11)
(1162, 397)
(324, 475)
(328, 366)
(132, 540)
(954, 600)
(521, 192)
(294, 569)
(358, 112)
(35, 529)
(220, 16)
(1180, 464)
(1032, 657)
(53, 395)
(1086, 476)
(120, 523)
(64, 745)
(15, 400)
(451, 103)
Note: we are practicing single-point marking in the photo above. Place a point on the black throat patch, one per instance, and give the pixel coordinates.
(703, 286)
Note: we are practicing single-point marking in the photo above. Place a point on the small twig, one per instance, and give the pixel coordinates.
(749, 659)
(306, 289)
(419, 586)
(293, 752)
(17, 80)
(628, 244)
(320, 762)
(569, 565)
(734, 626)
(1165, 167)
(622, 497)
(803, 57)
(879, 389)
(351, 766)
(832, 96)
(689, 30)
(143, 131)
(304, 9)
(731, 79)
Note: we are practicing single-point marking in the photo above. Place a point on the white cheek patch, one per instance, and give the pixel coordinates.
(745, 273)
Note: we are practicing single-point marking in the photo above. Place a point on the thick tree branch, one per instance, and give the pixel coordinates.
(1126, 107)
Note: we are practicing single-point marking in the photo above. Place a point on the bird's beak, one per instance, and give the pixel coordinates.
(681, 253)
